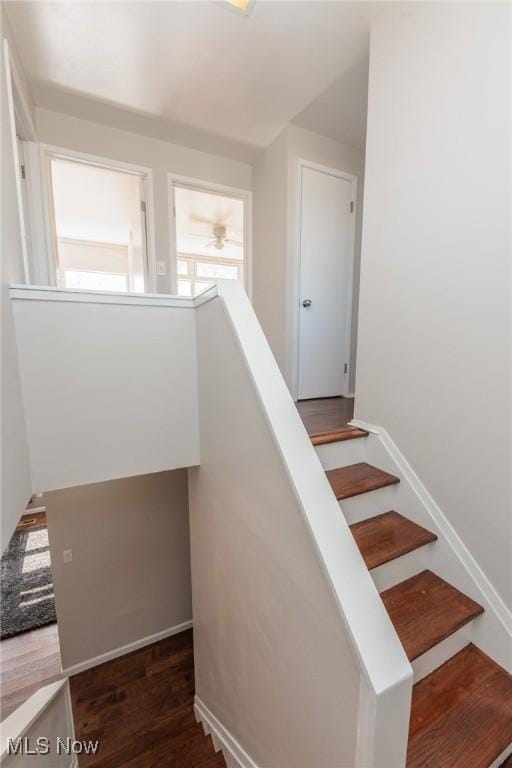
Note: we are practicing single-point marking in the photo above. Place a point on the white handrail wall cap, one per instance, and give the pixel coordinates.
(381, 655)
(51, 293)
(18, 722)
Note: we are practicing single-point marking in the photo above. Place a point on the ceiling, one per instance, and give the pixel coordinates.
(199, 64)
(340, 111)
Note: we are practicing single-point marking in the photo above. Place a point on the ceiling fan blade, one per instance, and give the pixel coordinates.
(202, 220)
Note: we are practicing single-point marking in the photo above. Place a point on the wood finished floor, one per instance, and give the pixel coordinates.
(326, 414)
(30, 659)
(27, 661)
(140, 707)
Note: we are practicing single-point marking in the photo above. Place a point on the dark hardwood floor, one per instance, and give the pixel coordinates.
(461, 714)
(326, 414)
(140, 708)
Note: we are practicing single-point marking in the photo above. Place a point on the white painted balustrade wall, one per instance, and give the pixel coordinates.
(297, 663)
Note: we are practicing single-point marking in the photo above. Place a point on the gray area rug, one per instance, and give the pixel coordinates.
(27, 600)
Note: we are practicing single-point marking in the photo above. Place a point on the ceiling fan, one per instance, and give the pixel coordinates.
(219, 238)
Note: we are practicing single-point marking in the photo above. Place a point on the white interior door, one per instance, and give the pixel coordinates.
(326, 253)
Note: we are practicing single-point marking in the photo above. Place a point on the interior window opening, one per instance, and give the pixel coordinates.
(99, 217)
(210, 238)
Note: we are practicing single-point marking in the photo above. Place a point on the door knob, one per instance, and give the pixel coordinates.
(306, 303)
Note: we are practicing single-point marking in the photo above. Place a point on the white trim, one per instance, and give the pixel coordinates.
(501, 759)
(22, 109)
(71, 722)
(124, 649)
(208, 186)
(36, 216)
(63, 153)
(489, 596)
(50, 293)
(48, 152)
(366, 426)
(235, 754)
(18, 722)
(10, 125)
(295, 270)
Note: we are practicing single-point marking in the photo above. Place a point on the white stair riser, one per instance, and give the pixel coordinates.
(443, 651)
(370, 504)
(342, 453)
(402, 568)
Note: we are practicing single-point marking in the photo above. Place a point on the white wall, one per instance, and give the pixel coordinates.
(161, 156)
(16, 484)
(271, 659)
(135, 533)
(294, 651)
(270, 245)
(110, 390)
(276, 221)
(434, 355)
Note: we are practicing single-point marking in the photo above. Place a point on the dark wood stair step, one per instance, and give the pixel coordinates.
(358, 478)
(385, 537)
(461, 715)
(425, 610)
(337, 435)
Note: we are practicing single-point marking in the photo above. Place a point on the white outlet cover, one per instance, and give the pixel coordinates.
(160, 268)
(67, 555)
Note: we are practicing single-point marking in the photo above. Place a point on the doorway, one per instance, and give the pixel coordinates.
(326, 247)
(210, 235)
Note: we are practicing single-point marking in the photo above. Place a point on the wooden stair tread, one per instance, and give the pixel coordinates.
(461, 714)
(337, 435)
(388, 536)
(358, 478)
(425, 610)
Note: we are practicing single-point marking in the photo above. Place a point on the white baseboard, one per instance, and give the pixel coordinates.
(501, 759)
(234, 754)
(124, 649)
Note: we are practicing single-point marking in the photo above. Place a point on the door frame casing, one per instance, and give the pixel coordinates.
(295, 273)
(46, 153)
(220, 189)
(17, 109)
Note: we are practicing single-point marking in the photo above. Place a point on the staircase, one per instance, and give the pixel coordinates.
(461, 714)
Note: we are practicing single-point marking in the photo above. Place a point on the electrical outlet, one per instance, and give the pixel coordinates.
(67, 555)
(160, 268)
